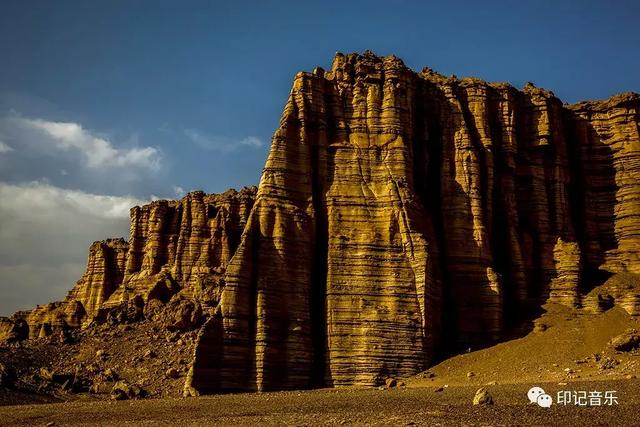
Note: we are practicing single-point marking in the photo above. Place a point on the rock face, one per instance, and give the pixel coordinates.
(400, 216)
(105, 273)
(6, 326)
(183, 246)
(175, 247)
(403, 213)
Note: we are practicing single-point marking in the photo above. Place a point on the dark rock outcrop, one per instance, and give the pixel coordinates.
(627, 341)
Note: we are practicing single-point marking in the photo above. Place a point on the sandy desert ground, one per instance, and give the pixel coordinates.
(565, 351)
(410, 406)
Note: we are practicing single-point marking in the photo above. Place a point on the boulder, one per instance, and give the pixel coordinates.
(482, 397)
(101, 387)
(153, 309)
(109, 375)
(608, 363)
(627, 341)
(52, 376)
(172, 373)
(183, 315)
(122, 390)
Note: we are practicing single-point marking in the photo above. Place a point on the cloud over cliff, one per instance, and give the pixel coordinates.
(44, 233)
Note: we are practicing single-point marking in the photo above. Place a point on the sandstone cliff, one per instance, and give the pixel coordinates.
(403, 213)
(183, 246)
(400, 216)
(175, 247)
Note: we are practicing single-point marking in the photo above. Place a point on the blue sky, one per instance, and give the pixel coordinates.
(113, 103)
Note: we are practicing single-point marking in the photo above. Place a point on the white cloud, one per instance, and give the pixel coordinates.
(252, 141)
(4, 148)
(178, 191)
(45, 233)
(37, 199)
(24, 286)
(71, 156)
(221, 143)
(98, 152)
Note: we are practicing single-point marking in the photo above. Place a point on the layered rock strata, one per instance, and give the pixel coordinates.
(400, 216)
(403, 213)
(183, 245)
(180, 246)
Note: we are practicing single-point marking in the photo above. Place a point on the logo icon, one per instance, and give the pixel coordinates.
(538, 396)
(545, 401)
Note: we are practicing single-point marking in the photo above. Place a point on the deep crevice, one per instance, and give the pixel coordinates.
(318, 283)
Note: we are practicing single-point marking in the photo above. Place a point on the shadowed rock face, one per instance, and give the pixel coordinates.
(403, 213)
(175, 247)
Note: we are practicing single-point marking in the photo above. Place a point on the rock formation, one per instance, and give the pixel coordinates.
(183, 245)
(622, 289)
(175, 247)
(400, 216)
(403, 213)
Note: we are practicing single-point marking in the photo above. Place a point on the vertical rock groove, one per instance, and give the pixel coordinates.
(174, 247)
(400, 217)
(402, 214)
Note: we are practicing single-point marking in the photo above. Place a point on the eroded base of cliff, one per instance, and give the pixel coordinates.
(148, 359)
(563, 346)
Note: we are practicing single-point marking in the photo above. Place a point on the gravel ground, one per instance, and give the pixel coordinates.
(410, 406)
(569, 353)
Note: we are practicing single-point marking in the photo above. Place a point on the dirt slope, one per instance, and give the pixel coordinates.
(564, 346)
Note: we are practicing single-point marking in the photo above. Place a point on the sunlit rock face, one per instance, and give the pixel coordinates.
(183, 246)
(400, 214)
(175, 247)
